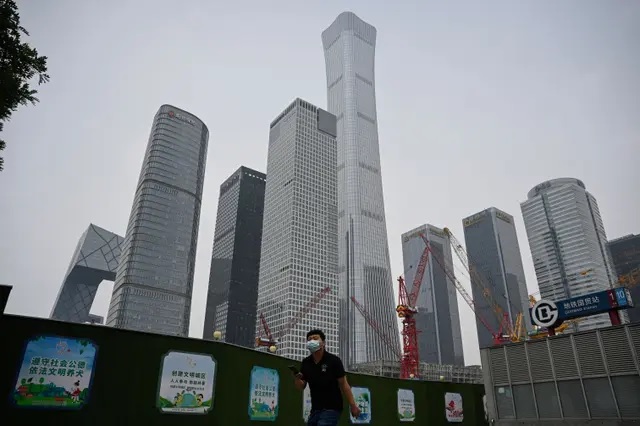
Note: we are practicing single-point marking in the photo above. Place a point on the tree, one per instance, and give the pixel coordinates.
(19, 63)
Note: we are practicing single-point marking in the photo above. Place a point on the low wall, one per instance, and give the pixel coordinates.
(75, 374)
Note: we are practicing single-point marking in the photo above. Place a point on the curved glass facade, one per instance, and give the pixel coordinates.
(363, 266)
(568, 243)
(152, 290)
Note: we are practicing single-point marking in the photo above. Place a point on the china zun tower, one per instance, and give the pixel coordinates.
(363, 266)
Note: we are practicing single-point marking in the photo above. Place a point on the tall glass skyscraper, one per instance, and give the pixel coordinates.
(154, 280)
(438, 320)
(568, 243)
(363, 264)
(494, 252)
(235, 260)
(299, 236)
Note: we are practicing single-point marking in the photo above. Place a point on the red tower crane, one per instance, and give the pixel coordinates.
(406, 309)
(272, 340)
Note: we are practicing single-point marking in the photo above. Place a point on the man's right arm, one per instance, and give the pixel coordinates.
(298, 380)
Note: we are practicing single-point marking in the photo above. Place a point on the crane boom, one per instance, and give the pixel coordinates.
(304, 311)
(479, 281)
(376, 327)
(463, 292)
(412, 297)
(272, 340)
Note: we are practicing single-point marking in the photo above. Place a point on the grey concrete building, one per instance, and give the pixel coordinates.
(363, 266)
(493, 249)
(625, 254)
(154, 280)
(235, 259)
(579, 379)
(94, 260)
(299, 237)
(440, 338)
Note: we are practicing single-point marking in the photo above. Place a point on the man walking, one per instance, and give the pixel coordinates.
(325, 375)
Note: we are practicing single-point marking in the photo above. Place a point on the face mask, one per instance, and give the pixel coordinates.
(313, 345)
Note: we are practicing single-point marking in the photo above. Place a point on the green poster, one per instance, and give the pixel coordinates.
(56, 372)
(263, 394)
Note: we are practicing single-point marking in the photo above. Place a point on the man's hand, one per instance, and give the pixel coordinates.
(355, 410)
(299, 381)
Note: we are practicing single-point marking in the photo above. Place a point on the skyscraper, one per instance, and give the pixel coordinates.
(494, 253)
(235, 261)
(154, 280)
(363, 263)
(568, 243)
(625, 254)
(94, 260)
(299, 237)
(438, 320)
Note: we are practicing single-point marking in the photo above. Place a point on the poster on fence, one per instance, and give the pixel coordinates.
(263, 394)
(453, 407)
(306, 404)
(362, 396)
(56, 372)
(406, 405)
(187, 383)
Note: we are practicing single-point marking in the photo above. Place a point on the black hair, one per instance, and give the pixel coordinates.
(317, 332)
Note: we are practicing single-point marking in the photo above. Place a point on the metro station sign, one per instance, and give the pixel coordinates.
(546, 313)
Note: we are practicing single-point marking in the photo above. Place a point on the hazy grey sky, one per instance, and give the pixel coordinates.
(477, 103)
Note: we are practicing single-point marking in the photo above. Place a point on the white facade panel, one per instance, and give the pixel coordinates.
(299, 239)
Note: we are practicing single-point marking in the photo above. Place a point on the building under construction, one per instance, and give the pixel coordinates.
(430, 372)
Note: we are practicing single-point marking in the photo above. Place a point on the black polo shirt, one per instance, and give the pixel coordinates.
(322, 379)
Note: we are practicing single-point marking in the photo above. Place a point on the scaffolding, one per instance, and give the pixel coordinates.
(429, 372)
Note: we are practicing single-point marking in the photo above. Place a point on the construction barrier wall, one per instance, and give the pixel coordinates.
(76, 374)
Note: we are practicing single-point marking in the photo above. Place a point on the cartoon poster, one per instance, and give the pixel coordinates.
(362, 397)
(453, 407)
(306, 404)
(406, 405)
(186, 383)
(263, 394)
(56, 372)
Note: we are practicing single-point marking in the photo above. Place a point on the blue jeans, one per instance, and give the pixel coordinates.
(324, 418)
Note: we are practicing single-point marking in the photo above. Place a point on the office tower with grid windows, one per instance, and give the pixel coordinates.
(235, 261)
(299, 237)
(494, 252)
(154, 280)
(438, 320)
(625, 254)
(363, 265)
(568, 243)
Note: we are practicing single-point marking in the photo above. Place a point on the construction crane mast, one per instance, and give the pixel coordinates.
(406, 309)
(272, 340)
